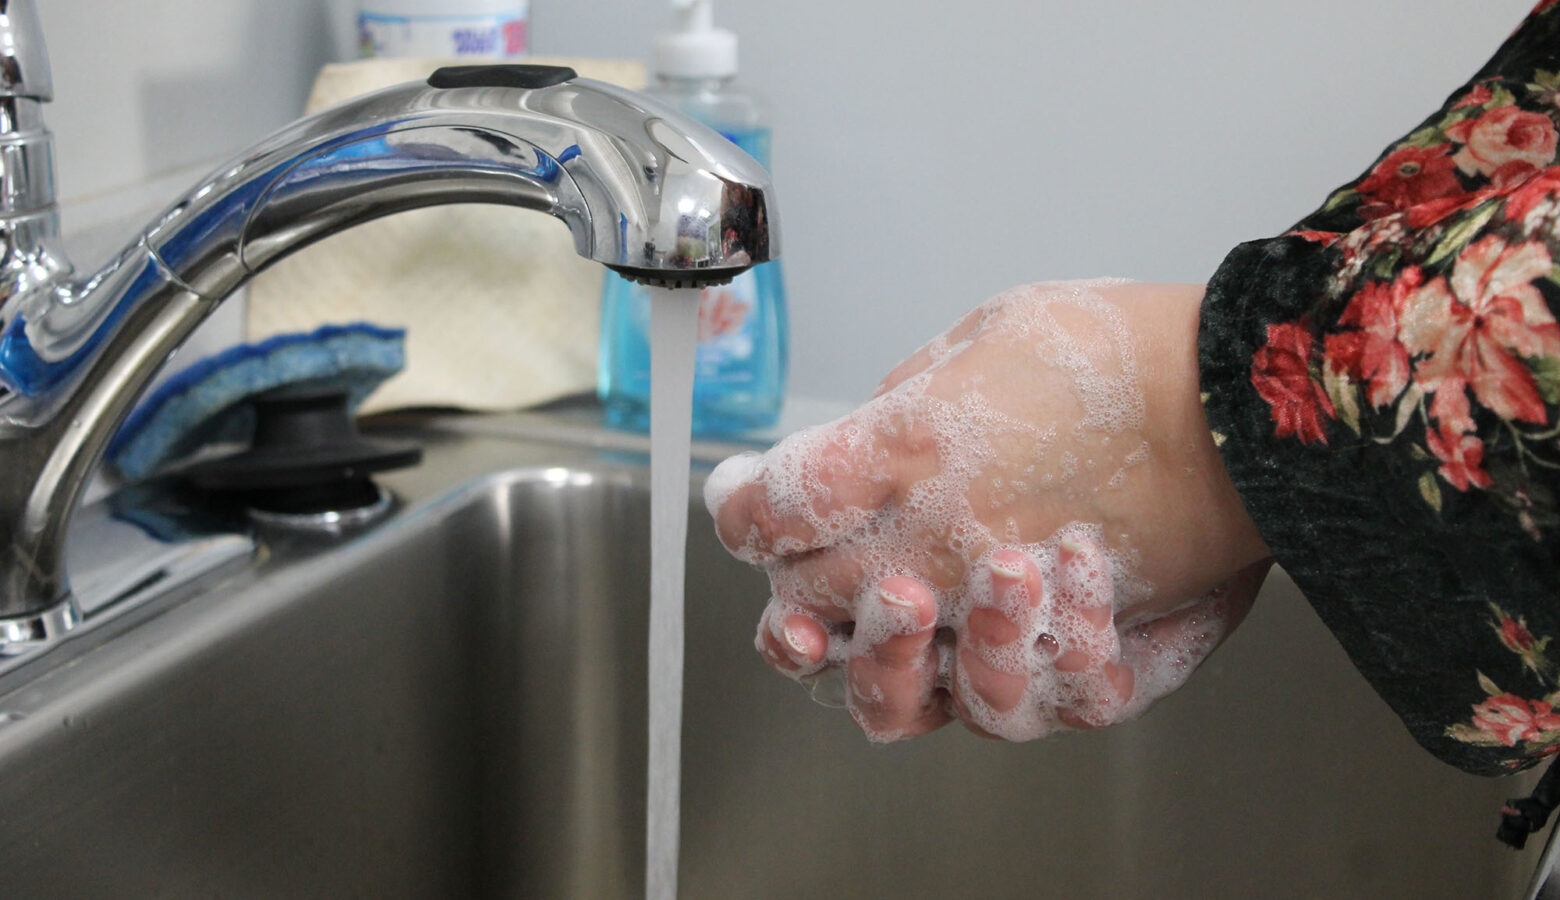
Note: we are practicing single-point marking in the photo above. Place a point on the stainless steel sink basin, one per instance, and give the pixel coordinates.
(450, 703)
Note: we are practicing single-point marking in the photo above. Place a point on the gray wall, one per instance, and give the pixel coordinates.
(924, 159)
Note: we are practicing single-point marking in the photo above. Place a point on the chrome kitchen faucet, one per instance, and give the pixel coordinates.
(643, 189)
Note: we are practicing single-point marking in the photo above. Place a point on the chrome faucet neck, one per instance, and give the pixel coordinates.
(30, 255)
(24, 58)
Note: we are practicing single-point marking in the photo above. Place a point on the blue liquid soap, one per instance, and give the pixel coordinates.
(740, 364)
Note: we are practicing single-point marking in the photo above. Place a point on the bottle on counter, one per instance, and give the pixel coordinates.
(486, 29)
(740, 372)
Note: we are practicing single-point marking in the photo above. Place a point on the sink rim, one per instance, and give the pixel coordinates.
(562, 446)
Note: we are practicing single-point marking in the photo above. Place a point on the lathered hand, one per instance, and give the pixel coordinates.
(1027, 528)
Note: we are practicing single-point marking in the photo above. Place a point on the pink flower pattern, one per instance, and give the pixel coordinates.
(1478, 96)
(1370, 351)
(1460, 455)
(1405, 354)
(1441, 330)
(1475, 328)
(1508, 719)
(1504, 136)
(1281, 372)
(720, 313)
(1408, 177)
(1535, 190)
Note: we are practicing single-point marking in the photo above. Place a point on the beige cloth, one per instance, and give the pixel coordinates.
(500, 312)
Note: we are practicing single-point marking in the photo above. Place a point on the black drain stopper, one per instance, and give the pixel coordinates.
(307, 457)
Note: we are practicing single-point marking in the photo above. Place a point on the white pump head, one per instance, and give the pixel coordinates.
(697, 49)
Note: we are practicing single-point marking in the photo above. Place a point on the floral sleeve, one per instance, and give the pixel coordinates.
(1384, 384)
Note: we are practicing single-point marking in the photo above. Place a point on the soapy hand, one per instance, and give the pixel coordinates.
(1027, 528)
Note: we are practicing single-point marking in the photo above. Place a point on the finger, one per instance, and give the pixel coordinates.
(968, 717)
(824, 582)
(791, 642)
(1086, 638)
(1164, 652)
(997, 688)
(1088, 647)
(909, 367)
(809, 490)
(1201, 625)
(892, 667)
(1174, 645)
(934, 350)
(993, 653)
(1108, 700)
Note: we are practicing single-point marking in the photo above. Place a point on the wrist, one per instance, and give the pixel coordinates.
(1203, 527)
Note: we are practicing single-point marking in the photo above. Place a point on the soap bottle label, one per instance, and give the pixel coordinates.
(726, 324)
(491, 35)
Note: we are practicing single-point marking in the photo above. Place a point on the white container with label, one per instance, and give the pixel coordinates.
(484, 29)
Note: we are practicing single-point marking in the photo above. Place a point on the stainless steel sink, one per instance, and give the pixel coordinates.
(450, 703)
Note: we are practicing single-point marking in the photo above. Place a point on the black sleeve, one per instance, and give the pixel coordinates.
(1384, 384)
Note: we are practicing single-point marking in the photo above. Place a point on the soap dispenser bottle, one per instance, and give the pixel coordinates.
(740, 371)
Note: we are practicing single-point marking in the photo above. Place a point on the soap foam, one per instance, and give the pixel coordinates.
(944, 526)
(732, 473)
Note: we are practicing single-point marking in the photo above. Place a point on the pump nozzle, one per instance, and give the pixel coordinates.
(697, 49)
(694, 15)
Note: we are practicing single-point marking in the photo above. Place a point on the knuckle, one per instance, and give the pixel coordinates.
(769, 532)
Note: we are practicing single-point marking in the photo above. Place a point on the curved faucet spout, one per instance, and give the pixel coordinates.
(641, 188)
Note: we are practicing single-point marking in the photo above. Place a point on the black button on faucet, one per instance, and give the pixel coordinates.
(515, 76)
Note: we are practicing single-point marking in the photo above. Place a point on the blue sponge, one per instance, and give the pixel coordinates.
(205, 403)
